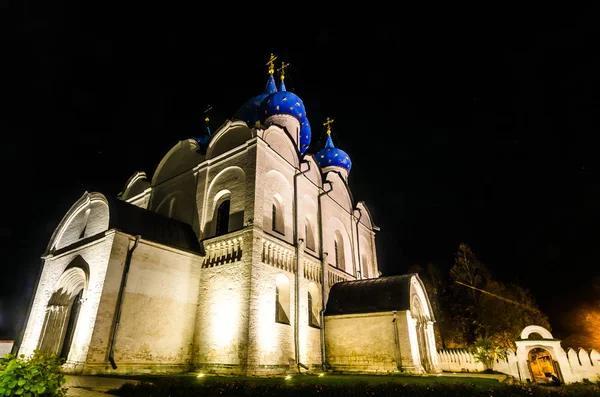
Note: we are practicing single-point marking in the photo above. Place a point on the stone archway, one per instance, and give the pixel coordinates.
(62, 312)
(542, 367)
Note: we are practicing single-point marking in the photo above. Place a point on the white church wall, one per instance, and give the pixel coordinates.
(337, 226)
(5, 347)
(229, 176)
(97, 358)
(308, 214)
(158, 311)
(271, 348)
(275, 181)
(221, 328)
(310, 335)
(279, 141)
(95, 254)
(366, 342)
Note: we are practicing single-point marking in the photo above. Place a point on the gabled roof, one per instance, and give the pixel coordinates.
(368, 296)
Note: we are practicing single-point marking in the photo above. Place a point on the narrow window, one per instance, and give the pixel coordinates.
(277, 217)
(310, 237)
(282, 300)
(222, 219)
(313, 320)
(338, 242)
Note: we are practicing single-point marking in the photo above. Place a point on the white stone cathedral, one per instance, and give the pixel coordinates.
(243, 254)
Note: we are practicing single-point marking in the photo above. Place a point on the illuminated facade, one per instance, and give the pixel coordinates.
(223, 261)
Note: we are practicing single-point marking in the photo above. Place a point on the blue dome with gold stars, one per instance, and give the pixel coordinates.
(249, 112)
(305, 136)
(283, 102)
(332, 156)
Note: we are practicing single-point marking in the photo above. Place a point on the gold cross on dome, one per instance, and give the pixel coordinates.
(328, 125)
(271, 63)
(282, 69)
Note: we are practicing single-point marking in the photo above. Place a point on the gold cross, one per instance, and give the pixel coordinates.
(208, 108)
(271, 63)
(282, 69)
(328, 125)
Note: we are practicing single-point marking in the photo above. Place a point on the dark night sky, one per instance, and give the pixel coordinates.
(478, 132)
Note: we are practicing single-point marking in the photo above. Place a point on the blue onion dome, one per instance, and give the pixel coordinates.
(283, 102)
(330, 156)
(305, 136)
(249, 112)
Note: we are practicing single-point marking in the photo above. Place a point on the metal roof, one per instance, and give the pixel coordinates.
(367, 296)
(152, 226)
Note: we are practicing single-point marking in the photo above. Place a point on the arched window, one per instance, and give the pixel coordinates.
(222, 226)
(277, 217)
(282, 300)
(310, 237)
(313, 310)
(338, 245)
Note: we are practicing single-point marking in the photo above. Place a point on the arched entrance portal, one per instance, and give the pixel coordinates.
(542, 367)
(62, 312)
(421, 328)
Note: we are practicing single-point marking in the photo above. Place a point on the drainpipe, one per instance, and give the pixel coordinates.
(298, 245)
(113, 336)
(397, 343)
(358, 243)
(323, 270)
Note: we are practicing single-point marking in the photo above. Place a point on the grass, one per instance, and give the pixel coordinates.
(326, 380)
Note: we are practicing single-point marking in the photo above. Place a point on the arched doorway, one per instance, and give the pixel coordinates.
(62, 313)
(421, 324)
(542, 367)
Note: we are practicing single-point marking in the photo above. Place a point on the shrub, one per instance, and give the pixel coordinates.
(486, 351)
(38, 375)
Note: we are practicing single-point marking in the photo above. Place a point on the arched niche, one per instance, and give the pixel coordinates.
(282, 299)
(336, 231)
(340, 191)
(314, 305)
(366, 261)
(309, 226)
(87, 217)
(178, 205)
(135, 185)
(277, 190)
(417, 291)
(314, 173)
(281, 143)
(63, 308)
(228, 184)
(182, 157)
(365, 218)
(231, 135)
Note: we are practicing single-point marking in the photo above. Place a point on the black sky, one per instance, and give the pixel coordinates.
(459, 131)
